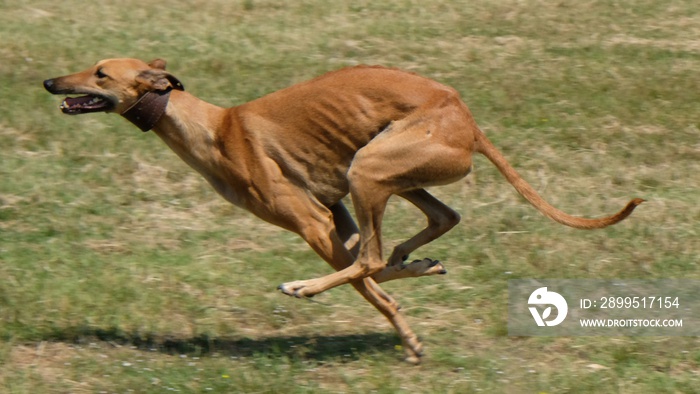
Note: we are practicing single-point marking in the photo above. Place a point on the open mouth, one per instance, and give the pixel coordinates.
(85, 104)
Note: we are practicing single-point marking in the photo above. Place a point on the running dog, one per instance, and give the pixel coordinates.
(291, 156)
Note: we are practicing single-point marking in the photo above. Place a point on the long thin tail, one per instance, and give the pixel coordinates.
(485, 147)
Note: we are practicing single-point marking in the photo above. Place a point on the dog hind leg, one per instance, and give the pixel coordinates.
(441, 219)
(430, 147)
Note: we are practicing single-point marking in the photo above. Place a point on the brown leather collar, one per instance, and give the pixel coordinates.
(148, 110)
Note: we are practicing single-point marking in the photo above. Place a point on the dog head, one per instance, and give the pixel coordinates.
(111, 85)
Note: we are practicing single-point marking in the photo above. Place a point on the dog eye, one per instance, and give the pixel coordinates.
(100, 74)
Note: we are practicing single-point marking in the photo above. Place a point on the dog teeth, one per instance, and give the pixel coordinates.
(93, 101)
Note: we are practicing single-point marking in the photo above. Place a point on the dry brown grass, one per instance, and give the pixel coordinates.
(121, 270)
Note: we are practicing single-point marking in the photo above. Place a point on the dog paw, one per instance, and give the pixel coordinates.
(294, 289)
(428, 267)
(414, 351)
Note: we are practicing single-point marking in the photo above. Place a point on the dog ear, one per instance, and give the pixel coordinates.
(159, 79)
(157, 63)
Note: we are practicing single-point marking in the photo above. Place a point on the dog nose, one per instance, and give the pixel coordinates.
(49, 85)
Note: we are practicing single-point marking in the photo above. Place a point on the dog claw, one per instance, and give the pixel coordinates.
(284, 290)
(293, 292)
(432, 264)
(435, 263)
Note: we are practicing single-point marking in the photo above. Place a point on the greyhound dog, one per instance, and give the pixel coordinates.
(291, 156)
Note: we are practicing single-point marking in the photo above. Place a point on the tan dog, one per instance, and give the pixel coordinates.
(291, 156)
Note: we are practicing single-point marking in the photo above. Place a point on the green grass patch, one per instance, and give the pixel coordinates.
(121, 271)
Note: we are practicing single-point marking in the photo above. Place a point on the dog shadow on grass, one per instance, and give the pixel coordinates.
(313, 347)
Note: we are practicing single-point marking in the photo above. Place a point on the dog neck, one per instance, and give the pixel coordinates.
(148, 110)
(190, 128)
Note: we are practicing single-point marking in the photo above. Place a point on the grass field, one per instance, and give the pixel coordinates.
(121, 271)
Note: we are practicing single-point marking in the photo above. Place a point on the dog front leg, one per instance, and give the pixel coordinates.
(331, 238)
